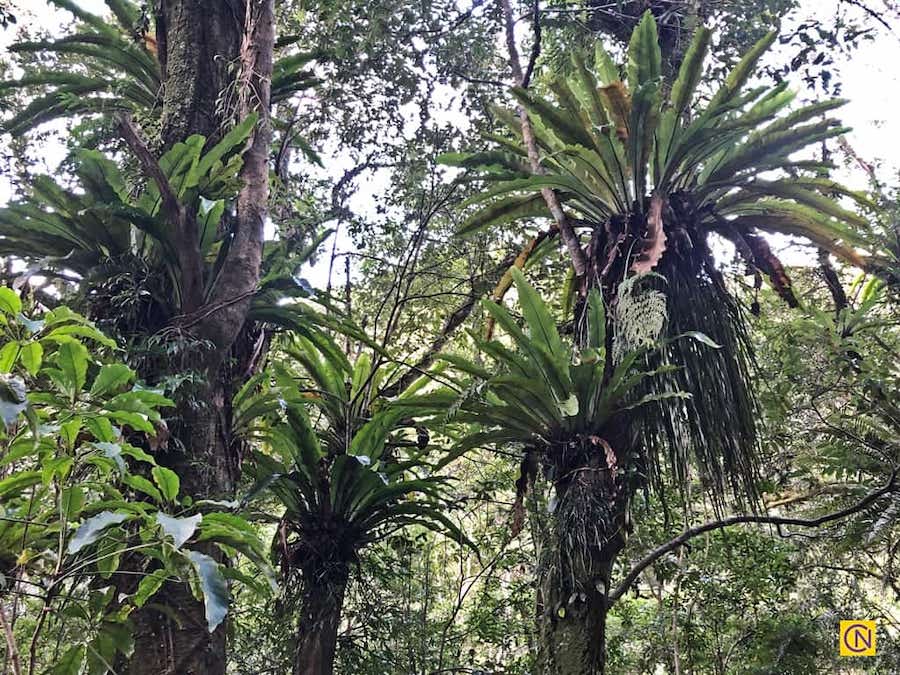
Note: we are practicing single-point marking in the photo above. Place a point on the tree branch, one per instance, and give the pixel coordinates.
(566, 231)
(11, 650)
(689, 534)
(187, 246)
(150, 167)
(536, 44)
(244, 257)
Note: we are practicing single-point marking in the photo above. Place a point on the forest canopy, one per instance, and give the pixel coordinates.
(484, 336)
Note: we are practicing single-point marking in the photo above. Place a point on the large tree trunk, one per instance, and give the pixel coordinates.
(320, 617)
(587, 530)
(171, 636)
(199, 43)
(572, 625)
(216, 57)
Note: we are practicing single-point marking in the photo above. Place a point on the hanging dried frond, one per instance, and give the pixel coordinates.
(654, 244)
(768, 263)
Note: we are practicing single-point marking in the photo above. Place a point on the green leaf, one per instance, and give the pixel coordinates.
(91, 529)
(180, 529)
(72, 359)
(110, 378)
(168, 482)
(214, 587)
(72, 501)
(15, 484)
(141, 484)
(541, 326)
(235, 136)
(644, 58)
(738, 77)
(148, 587)
(506, 210)
(10, 303)
(69, 663)
(691, 71)
(606, 68)
(9, 354)
(57, 467)
(32, 355)
(79, 330)
(108, 562)
(596, 318)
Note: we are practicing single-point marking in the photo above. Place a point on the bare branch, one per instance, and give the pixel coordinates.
(187, 246)
(536, 44)
(150, 166)
(566, 231)
(690, 533)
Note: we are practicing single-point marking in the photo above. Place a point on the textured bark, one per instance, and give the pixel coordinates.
(577, 557)
(175, 640)
(574, 643)
(320, 618)
(165, 645)
(199, 41)
(217, 63)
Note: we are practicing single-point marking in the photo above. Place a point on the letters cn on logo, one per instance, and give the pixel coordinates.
(857, 638)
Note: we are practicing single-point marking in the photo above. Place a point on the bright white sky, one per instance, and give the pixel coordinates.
(870, 81)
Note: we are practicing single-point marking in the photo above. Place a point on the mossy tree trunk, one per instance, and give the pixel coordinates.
(587, 530)
(216, 58)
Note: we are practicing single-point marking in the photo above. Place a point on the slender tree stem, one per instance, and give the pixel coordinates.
(11, 649)
(566, 231)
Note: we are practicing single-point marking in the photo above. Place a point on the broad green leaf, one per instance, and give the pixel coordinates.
(644, 58)
(69, 431)
(180, 529)
(108, 561)
(91, 529)
(15, 484)
(72, 501)
(72, 359)
(110, 378)
(9, 354)
(214, 587)
(168, 482)
(32, 355)
(596, 318)
(10, 303)
(541, 326)
(78, 330)
(102, 429)
(507, 210)
(141, 484)
(148, 587)
(69, 663)
(57, 467)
